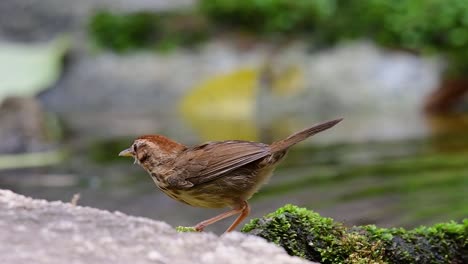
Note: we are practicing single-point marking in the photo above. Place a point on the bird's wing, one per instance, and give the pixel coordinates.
(211, 160)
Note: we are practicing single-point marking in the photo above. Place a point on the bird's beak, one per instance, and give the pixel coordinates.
(126, 153)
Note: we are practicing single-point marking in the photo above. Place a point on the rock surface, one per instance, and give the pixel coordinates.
(37, 231)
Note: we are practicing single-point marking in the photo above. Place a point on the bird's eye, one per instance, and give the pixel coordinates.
(135, 148)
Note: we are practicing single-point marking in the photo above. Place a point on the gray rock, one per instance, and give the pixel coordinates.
(37, 231)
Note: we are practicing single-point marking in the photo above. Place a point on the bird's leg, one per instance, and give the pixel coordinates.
(200, 226)
(244, 213)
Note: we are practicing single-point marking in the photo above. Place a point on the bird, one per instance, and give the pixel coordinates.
(215, 174)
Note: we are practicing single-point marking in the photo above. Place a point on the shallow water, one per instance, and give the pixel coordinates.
(387, 183)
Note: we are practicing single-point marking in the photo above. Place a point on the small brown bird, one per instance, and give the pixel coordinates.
(214, 174)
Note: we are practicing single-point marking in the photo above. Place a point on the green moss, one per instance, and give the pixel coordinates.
(184, 229)
(306, 234)
(301, 232)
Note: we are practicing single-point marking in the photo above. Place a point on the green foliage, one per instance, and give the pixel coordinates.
(145, 30)
(269, 16)
(423, 26)
(306, 234)
(124, 32)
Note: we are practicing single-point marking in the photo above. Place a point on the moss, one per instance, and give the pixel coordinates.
(184, 229)
(301, 232)
(306, 234)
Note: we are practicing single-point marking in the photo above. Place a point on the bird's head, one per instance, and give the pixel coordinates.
(150, 150)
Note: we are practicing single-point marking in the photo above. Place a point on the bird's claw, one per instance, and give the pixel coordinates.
(199, 228)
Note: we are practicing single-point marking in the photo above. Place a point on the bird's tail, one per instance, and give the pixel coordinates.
(302, 135)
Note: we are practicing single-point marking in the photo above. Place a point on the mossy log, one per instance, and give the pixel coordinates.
(306, 234)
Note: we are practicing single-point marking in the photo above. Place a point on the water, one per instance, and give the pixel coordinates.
(388, 183)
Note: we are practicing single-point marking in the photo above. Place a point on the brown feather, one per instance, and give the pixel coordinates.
(164, 143)
(302, 135)
(211, 160)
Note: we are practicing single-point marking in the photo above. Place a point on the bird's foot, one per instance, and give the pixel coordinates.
(199, 227)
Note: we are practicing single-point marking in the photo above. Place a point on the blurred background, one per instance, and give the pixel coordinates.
(79, 80)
